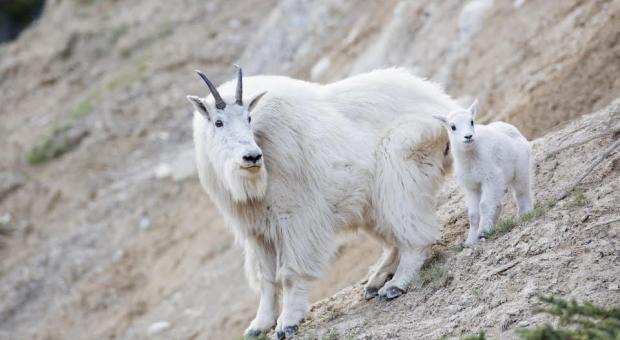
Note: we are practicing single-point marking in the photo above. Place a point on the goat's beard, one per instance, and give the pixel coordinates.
(243, 185)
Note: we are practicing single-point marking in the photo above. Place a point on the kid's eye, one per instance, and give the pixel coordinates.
(218, 123)
(453, 127)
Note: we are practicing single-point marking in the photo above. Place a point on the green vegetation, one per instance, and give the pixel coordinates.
(584, 321)
(577, 321)
(577, 199)
(60, 141)
(434, 273)
(503, 227)
(507, 224)
(479, 336)
(538, 211)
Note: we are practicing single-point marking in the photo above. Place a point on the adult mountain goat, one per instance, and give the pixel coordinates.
(290, 163)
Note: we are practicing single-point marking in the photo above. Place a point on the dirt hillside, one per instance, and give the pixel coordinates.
(570, 248)
(106, 233)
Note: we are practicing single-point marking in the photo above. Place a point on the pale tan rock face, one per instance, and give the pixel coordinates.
(113, 235)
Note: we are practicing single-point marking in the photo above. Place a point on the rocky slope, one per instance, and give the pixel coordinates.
(109, 234)
(569, 248)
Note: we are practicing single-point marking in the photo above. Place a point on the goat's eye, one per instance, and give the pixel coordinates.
(218, 123)
(453, 128)
(472, 123)
(249, 119)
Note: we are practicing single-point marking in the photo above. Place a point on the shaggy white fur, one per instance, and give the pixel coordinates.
(488, 159)
(361, 153)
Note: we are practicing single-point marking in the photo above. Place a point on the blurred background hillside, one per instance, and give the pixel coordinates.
(105, 231)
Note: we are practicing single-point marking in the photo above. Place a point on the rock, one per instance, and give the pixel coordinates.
(6, 218)
(524, 323)
(145, 223)
(163, 170)
(158, 327)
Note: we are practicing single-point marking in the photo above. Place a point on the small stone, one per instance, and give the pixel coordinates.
(145, 223)
(158, 327)
(163, 170)
(614, 286)
(164, 135)
(524, 323)
(585, 217)
(6, 218)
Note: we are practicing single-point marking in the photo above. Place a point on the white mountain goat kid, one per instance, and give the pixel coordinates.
(488, 159)
(292, 163)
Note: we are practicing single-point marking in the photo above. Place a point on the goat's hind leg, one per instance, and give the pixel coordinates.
(490, 207)
(381, 272)
(411, 260)
(523, 191)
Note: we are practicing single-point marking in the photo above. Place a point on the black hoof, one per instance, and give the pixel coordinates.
(288, 332)
(391, 293)
(371, 292)
(252, 334)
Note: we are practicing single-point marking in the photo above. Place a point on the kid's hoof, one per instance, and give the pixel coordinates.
(391, 293)
(288, 332)
(252, 334)
(371, 292)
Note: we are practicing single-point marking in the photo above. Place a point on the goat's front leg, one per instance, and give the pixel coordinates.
(490, 207)
(261, 268)
(294, 306)
(472, 196)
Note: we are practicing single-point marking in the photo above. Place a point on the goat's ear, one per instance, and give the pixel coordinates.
(255, 100)
(199, 106)
(473, 109)
(441, 118)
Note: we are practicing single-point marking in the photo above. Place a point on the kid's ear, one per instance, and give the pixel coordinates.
(473, 109)
(199, 106)
(255, 100)
(441, 118)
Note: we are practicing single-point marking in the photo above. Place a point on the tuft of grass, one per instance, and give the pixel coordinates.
(502, 227)
(82, 109)
(60, 141)
(332, 335)
(434, 273)
(579, 321)
(538, 211)
(479, 336)
(577, 199)
(457, 248)
(505, 225)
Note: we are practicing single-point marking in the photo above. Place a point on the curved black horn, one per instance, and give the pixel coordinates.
(219, 102)
(239, 93)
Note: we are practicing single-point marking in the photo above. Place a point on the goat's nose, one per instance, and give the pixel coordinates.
(468, 137)
(253, 157)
